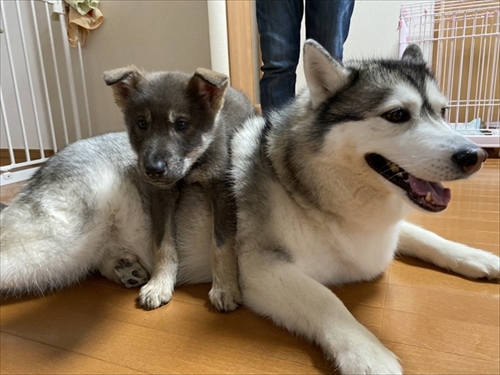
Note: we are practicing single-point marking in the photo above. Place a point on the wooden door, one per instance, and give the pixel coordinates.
(241, 47)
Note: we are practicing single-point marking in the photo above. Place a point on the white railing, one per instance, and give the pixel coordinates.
(43, 102)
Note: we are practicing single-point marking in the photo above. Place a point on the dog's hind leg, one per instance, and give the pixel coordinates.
(462, 259)
(127, 256)
(278, 289)
(123, 267)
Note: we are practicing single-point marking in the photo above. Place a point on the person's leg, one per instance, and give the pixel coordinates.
(279, 28)
(327, 22)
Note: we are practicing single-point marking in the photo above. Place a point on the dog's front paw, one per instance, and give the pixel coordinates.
(225, 299)
(365, 354)
(154, 294)
(478, 264)
(376, 362)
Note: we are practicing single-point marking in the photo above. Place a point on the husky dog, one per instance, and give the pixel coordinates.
(322, 188)
(97, 204)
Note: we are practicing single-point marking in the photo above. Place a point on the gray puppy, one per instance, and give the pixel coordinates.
(100, 204)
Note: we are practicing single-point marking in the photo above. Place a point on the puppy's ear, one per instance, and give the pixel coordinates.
(123, 81)
(324, 75)
(414, 54)
(209, 86)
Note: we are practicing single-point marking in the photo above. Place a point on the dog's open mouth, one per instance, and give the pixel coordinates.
(431, 196)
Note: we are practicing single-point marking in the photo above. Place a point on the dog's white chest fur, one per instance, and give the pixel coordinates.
(328, 249)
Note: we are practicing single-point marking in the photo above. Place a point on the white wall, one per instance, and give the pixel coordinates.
(373, 31)
(154, 35)
(217, 23)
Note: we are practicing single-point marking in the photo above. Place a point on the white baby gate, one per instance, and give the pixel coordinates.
(461, 40)
(43, 96)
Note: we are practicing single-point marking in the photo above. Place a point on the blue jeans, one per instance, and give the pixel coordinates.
(327, 22)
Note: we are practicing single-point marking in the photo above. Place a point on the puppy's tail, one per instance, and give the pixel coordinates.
(39, 253)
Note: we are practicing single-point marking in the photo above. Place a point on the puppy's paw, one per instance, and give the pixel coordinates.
(130, 273)
(478, 264)
(225, 299)
(155, 294)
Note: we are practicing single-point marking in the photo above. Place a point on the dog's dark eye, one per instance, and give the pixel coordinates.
(181, 125)
(142, 124)
(397, 115)
(443, 112)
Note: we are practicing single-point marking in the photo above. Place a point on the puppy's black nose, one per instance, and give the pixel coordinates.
(470, 159)
(155, 169)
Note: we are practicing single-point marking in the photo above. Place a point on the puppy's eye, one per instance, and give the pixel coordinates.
(142, 124)
(443, 112)
(181, 125)
(397, 115)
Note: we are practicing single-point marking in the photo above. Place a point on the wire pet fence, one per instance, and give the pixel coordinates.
(461, 39)
(43, 96)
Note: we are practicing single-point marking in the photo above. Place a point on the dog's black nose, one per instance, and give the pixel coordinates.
(155, 169)
(470, 159)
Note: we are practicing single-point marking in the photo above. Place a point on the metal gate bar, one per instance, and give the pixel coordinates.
(33, 126)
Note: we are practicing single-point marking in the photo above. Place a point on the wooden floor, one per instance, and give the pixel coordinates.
(435, 322)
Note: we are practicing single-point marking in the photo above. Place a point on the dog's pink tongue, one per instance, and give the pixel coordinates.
(440, 194)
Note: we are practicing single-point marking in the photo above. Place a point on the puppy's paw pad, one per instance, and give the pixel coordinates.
(131, 273)
(225, 300)
(152, 296)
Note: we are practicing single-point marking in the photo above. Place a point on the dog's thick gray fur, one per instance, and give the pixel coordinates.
(102, 204)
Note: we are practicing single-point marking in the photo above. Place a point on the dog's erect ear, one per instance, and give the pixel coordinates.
(209, 86)
(413, 53)
(123, 81)
(324, 75)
